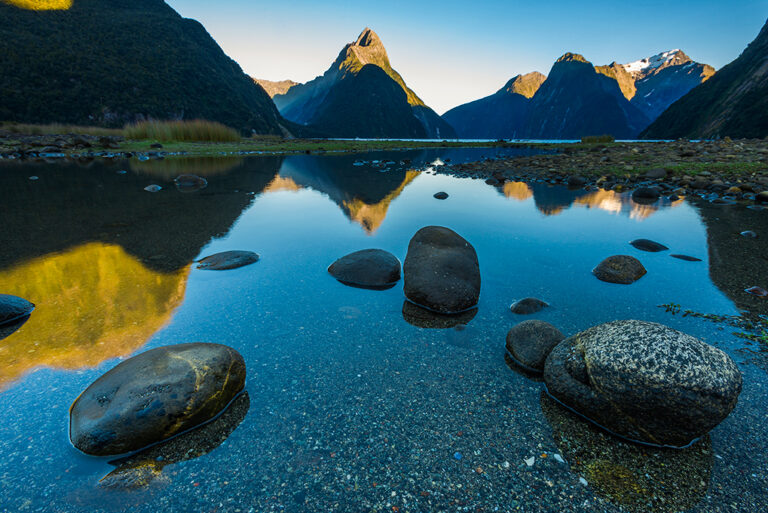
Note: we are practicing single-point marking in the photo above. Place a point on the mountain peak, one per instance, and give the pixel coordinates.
(657, 62)
(525, 85)
(367, 38)
(572, 57)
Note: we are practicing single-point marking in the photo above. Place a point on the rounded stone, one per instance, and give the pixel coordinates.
(527, 306)
(154, 396)
(13, 309)
(686, 258)
(644, 381)
(621, 269)
(646, 195)
(441, 271)
(369, 268)
(441, 195)
(648, 245)
(190, 183)
(228, 260)
(530, 342)
(761, 198)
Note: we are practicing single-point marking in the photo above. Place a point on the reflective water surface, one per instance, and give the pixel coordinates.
(353, 402)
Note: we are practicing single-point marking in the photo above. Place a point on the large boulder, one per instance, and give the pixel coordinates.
(644, 381)
(13, 309)
(441, 271)
(155, 396)
(530, 342)
(621, 269)
(369, 268)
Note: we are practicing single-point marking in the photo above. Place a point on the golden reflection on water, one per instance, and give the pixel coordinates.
(517, 190)
(94, 302)
(280, 183)
(41, 5)
(371, 216)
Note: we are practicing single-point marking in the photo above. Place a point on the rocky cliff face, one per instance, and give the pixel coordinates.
(111, 62)
(306, 103)
(501, 115)
(734, 102)
(274, 88)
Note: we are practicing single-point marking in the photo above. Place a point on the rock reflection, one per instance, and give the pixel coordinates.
(145, 468)
(169, 168)
(555, 199)
(635, 477)
(94, 302)
(423, 318)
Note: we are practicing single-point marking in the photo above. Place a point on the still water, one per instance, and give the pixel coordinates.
(349, 406)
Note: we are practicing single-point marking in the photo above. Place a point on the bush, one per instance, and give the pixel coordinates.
(594, 139)
(182, 131)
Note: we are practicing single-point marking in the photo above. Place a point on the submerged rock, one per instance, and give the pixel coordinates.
(155, 396)
(13, 308)
(369, 268)
(190, 183)
(530, 342)
(441, 271)
(153, 188)
(423, 318)
(527, 306)
(441, 195)
(621, 269)
(228, 260)
(644, 381)
(648, 245)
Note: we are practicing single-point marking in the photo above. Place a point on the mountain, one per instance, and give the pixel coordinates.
(274, 88)
(576, 100)
(732, 103)
(108, 62)
(654, 83)
(326, 102)
(500, 115)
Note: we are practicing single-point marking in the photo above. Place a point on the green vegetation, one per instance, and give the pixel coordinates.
(598, 139)
(181, 131)
(110, 63)
(57, 129)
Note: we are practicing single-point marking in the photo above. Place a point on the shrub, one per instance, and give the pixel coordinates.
(197, 130)
(594, 139)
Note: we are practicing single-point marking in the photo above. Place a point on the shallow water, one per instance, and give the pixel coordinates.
(349, 407)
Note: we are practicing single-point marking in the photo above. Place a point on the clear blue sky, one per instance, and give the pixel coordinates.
(451, 52)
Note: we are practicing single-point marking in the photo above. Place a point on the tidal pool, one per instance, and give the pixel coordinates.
(349, 406)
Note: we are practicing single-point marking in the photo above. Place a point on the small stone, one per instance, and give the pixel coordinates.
(761, 198)
(122, 172)
(576, 181)
(441, 195)
(648, 245)
(190, 183)
(33, 178)
(527, 306)
(757, 291)
(656, 173)
(583, 481)
(686, 258)
(749, 234)
(559, 458)
(227, 260)
(646, 195)
(153, 188)
(457, 455)
(621, 269)
(530, 461)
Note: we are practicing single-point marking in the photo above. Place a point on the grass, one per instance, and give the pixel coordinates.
(182, 131)
(57, 129)
(595, 139)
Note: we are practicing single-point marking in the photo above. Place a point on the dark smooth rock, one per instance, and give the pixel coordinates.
(155, 146)
(686, 258)
(13, 308)
(757, 291)
(749, 234)
(8, 329)
(761, 197)
(530, 342)
(190, 183)
(228, 260)
(441, 271)
(423, 318)
(527, 306)
(441, 195)
(646, 195)
(576, 181)
(622, 269)
(155, 396)
(644, 381)
(648, 245)
(369, 268)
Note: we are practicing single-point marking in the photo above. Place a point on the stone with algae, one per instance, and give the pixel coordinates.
(155, 396)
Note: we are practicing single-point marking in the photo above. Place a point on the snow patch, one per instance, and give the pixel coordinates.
(654, 62)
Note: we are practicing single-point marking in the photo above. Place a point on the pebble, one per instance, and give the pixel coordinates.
(122, 172)
(559, 458)
(34, 178)
(457, 455)
(583, 481)
(153, 188)
(530, 461)
(749, 234)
